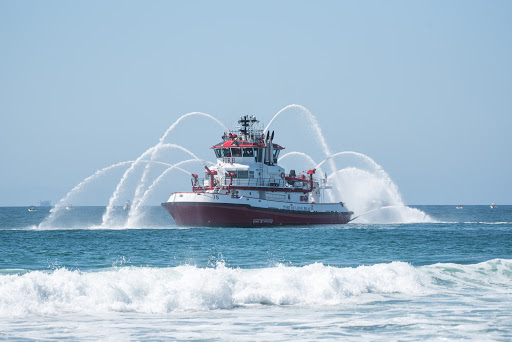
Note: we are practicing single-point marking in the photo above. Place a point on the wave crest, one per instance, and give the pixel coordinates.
(160, 290)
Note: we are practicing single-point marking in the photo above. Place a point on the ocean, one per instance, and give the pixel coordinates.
(446, 279)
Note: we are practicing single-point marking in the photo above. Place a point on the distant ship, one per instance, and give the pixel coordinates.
(247, 188)
(459, 207)
(493, 206)
(32, 208)
(45, 203)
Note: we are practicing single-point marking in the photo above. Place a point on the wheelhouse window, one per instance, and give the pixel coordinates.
(218, 153)
(236, 152)
(248, 152)
(226, 152)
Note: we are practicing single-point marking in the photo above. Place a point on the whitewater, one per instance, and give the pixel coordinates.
(448, 278)
(393, 298)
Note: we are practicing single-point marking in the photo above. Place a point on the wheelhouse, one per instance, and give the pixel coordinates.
(246, 152)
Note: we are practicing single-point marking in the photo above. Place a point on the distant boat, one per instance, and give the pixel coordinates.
(493, 206)
(45, 203)
(127, 205)
(459, 207)
(32, 208)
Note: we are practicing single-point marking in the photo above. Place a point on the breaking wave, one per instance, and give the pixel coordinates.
(161, 290)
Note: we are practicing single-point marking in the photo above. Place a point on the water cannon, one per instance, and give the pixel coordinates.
(209, 172)
(212, 176)
(311, 172)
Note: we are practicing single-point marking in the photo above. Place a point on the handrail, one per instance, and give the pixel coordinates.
(250, 182)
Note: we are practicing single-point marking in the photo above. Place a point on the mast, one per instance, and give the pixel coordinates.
(244, 125)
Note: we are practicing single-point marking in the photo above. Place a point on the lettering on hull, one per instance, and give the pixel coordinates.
(255, 221)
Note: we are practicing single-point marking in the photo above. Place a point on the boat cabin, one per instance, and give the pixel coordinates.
(247, 163)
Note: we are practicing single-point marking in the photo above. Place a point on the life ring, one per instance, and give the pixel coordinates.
(282, 175)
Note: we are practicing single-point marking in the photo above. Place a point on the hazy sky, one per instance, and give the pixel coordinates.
(422, 87)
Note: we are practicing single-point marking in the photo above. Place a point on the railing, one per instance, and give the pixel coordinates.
(267, 182)
(251, 182)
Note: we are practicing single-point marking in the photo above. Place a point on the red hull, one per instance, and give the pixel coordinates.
(201, 214)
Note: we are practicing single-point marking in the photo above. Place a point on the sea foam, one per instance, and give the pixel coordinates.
(160, 290)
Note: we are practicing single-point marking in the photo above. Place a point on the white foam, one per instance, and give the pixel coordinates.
(375, 197)
(377, 303)
(160, 290)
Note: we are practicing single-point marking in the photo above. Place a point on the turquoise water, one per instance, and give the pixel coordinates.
(451, 278)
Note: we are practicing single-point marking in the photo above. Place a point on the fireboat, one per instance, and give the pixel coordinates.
(246, 188)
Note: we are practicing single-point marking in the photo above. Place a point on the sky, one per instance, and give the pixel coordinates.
(424, 88)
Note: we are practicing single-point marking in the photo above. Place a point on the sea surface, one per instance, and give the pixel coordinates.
(447, 279)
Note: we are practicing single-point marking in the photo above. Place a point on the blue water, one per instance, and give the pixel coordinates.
(450, 278)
